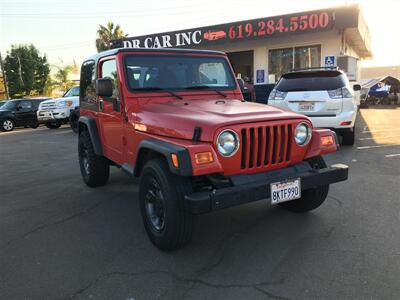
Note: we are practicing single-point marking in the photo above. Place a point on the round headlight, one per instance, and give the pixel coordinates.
(302, 134)
(227, 143)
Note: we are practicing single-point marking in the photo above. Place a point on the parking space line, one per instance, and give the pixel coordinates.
(380, 130)
(381, 137)
(4, 133)
(377, 146)
(392, 155)
(63, 131)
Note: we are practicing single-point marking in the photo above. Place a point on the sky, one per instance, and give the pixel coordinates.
(65, 30)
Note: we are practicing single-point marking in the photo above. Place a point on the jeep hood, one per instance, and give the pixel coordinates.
(179, 118)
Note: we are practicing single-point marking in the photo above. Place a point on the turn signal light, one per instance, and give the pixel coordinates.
(327, 140)
(345, 123)
(203, 158)
(175, 160)
(140, 127)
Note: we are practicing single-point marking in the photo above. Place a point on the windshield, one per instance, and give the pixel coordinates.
(72, 92)
(177, 72)
(9, 105)
(311, 81)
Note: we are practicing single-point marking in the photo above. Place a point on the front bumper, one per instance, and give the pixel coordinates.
(45, 116)
(249, 188)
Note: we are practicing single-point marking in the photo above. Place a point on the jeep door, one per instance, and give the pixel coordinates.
(110, 114)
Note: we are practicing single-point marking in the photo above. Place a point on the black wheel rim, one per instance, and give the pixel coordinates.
(155, 205)
(85, 160)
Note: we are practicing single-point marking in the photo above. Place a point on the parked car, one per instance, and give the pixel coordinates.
(19, 112)
(74, 119)
(244, 87)
(322, 94)
(55, 112)
(196, 145)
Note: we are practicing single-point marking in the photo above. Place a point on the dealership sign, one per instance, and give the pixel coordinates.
(264, 28)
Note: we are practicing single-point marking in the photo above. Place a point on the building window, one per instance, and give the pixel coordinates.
(307, 57)
(283, 60)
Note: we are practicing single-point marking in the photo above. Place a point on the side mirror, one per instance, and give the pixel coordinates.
(356, 87)
(104, 87)
(240, 82)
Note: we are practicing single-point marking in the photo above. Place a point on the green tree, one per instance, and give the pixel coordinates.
(105, 34)
(26, 70)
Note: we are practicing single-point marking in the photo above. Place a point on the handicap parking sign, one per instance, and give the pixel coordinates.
(260, 76)
(329, 61)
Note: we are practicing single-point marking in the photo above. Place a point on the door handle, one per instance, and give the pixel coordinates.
(101, 104)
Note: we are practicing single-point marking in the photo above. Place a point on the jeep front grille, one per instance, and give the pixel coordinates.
(265, 146)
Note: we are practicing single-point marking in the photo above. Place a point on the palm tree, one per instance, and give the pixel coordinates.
(105, 34)
(62, 77)
(60, 81)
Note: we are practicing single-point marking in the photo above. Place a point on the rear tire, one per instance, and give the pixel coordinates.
(161, 196)
(95, 169)
(311, 198)
(54, 125)
(7, 125)
(349, 137)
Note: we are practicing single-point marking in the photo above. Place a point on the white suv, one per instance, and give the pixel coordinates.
(323, 94)
(55, 112)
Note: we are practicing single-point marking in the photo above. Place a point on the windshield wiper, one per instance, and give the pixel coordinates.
(156, 88)
(205, 87)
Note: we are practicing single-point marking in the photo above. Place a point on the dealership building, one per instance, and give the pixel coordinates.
(261, 50)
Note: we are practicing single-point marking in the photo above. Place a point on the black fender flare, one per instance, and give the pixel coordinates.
(165, 149)
(91, 126)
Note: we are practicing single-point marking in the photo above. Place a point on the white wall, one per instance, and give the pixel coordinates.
(330, 45)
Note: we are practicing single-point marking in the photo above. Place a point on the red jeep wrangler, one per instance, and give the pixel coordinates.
(177, 119)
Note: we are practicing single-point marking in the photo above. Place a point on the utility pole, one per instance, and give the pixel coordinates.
(4, 77)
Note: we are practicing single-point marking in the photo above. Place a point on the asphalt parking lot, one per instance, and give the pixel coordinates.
(62, 240)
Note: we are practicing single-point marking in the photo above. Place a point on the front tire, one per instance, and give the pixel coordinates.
(34, 126)
(8, 125)
(311, 198)
(161, 196)
(54, 125)
(95, 169)
(349, 137)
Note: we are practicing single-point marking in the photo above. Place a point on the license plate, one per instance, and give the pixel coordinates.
(46, 116)
(285, 190)
(306, 106)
